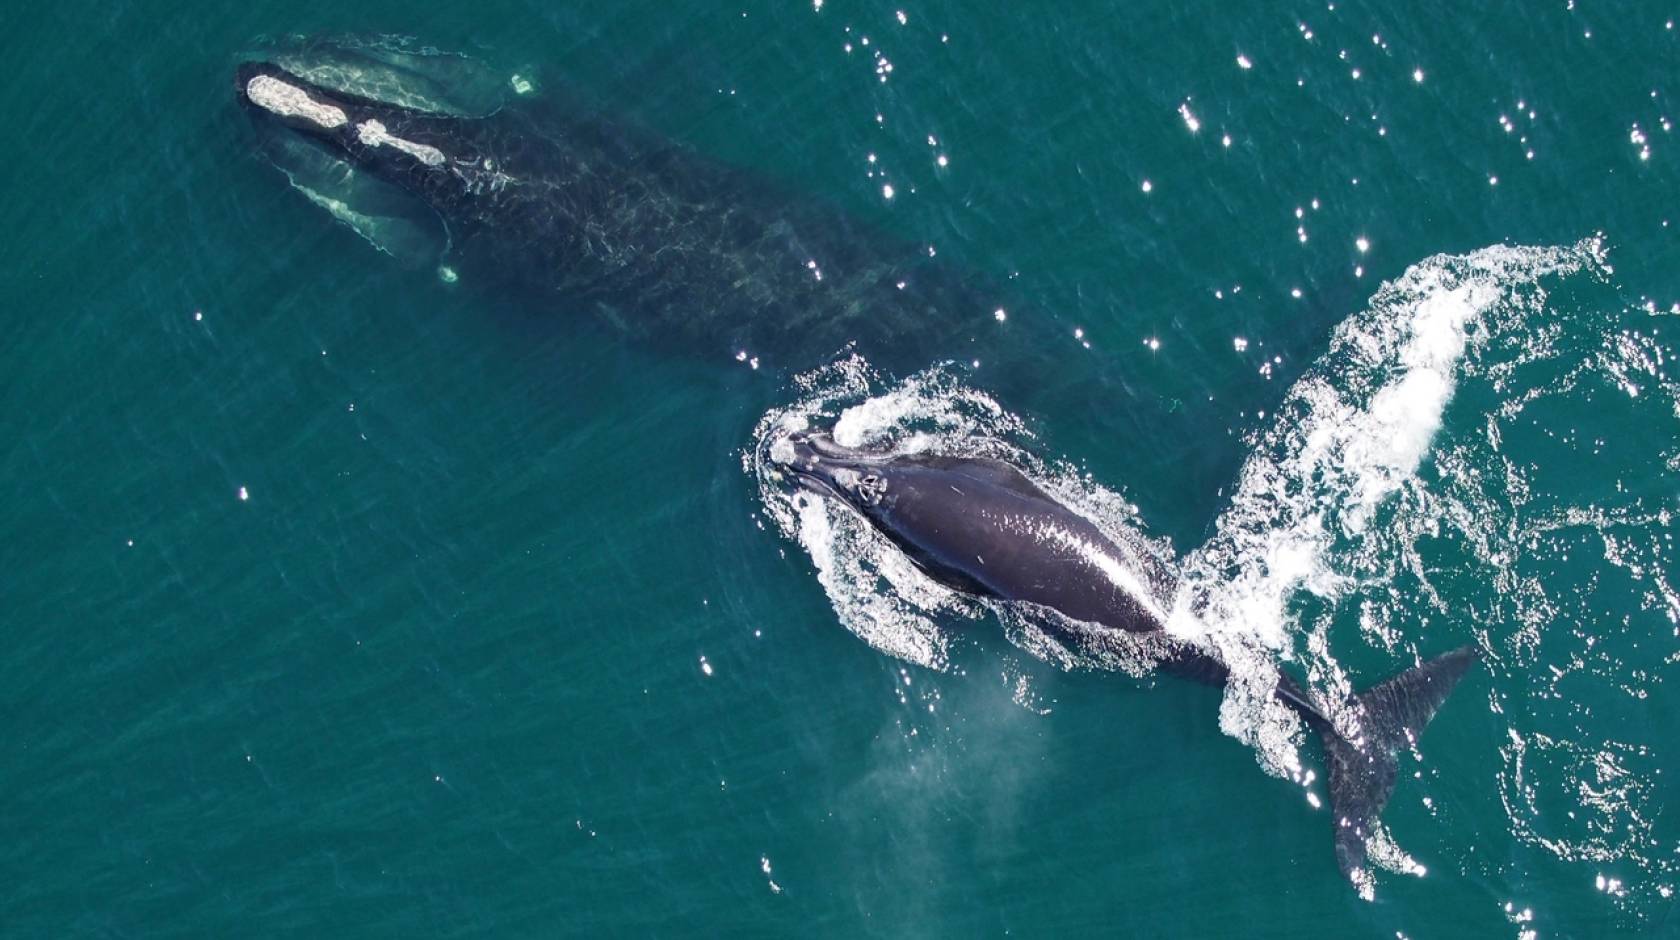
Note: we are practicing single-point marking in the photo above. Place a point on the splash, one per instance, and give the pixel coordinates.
(877, 594)
(1295, 542)
(1479, 452)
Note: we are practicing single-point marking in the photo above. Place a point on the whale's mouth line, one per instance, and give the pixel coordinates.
(812, 482)
(796, 459)
(805, 477)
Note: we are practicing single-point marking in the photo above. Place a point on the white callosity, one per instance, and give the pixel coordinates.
(272, 94)
(373, 134)
(288, 100)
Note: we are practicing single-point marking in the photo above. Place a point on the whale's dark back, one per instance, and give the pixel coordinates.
(981, 525)
(673, 246)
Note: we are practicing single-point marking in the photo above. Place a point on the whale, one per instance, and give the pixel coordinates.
(982, 527)
(591, 213)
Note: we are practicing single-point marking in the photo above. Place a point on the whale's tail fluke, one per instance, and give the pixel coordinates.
(1363, 771)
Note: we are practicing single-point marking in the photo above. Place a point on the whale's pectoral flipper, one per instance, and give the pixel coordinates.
(383, 214)
(1362, 773)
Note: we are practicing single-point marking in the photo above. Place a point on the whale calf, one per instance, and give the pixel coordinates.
(591, 212)
(982, 527)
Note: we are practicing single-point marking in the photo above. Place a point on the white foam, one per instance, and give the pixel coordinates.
(875, 591)
(1351, 433)
(851, 559)
(932, 397)
(272, 94)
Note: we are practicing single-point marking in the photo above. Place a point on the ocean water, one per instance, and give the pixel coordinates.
(342, 600)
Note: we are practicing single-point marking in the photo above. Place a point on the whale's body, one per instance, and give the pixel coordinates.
(983, 527)
(659, 240)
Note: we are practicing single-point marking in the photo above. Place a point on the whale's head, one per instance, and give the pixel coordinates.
(814, 461)
(392, 142)
(388, 136)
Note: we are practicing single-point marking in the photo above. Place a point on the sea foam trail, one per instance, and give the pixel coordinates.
(1349, 434)
(1288, 554)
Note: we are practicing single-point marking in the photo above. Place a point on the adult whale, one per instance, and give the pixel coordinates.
(590, 212)
(982, 527)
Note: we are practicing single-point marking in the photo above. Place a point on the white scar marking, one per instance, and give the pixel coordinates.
(272, 94)
(373, 134)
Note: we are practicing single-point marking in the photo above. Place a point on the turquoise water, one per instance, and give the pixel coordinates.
(342, 600)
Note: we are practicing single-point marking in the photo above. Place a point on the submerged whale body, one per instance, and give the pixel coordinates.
(982, 527)
(658, 240)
